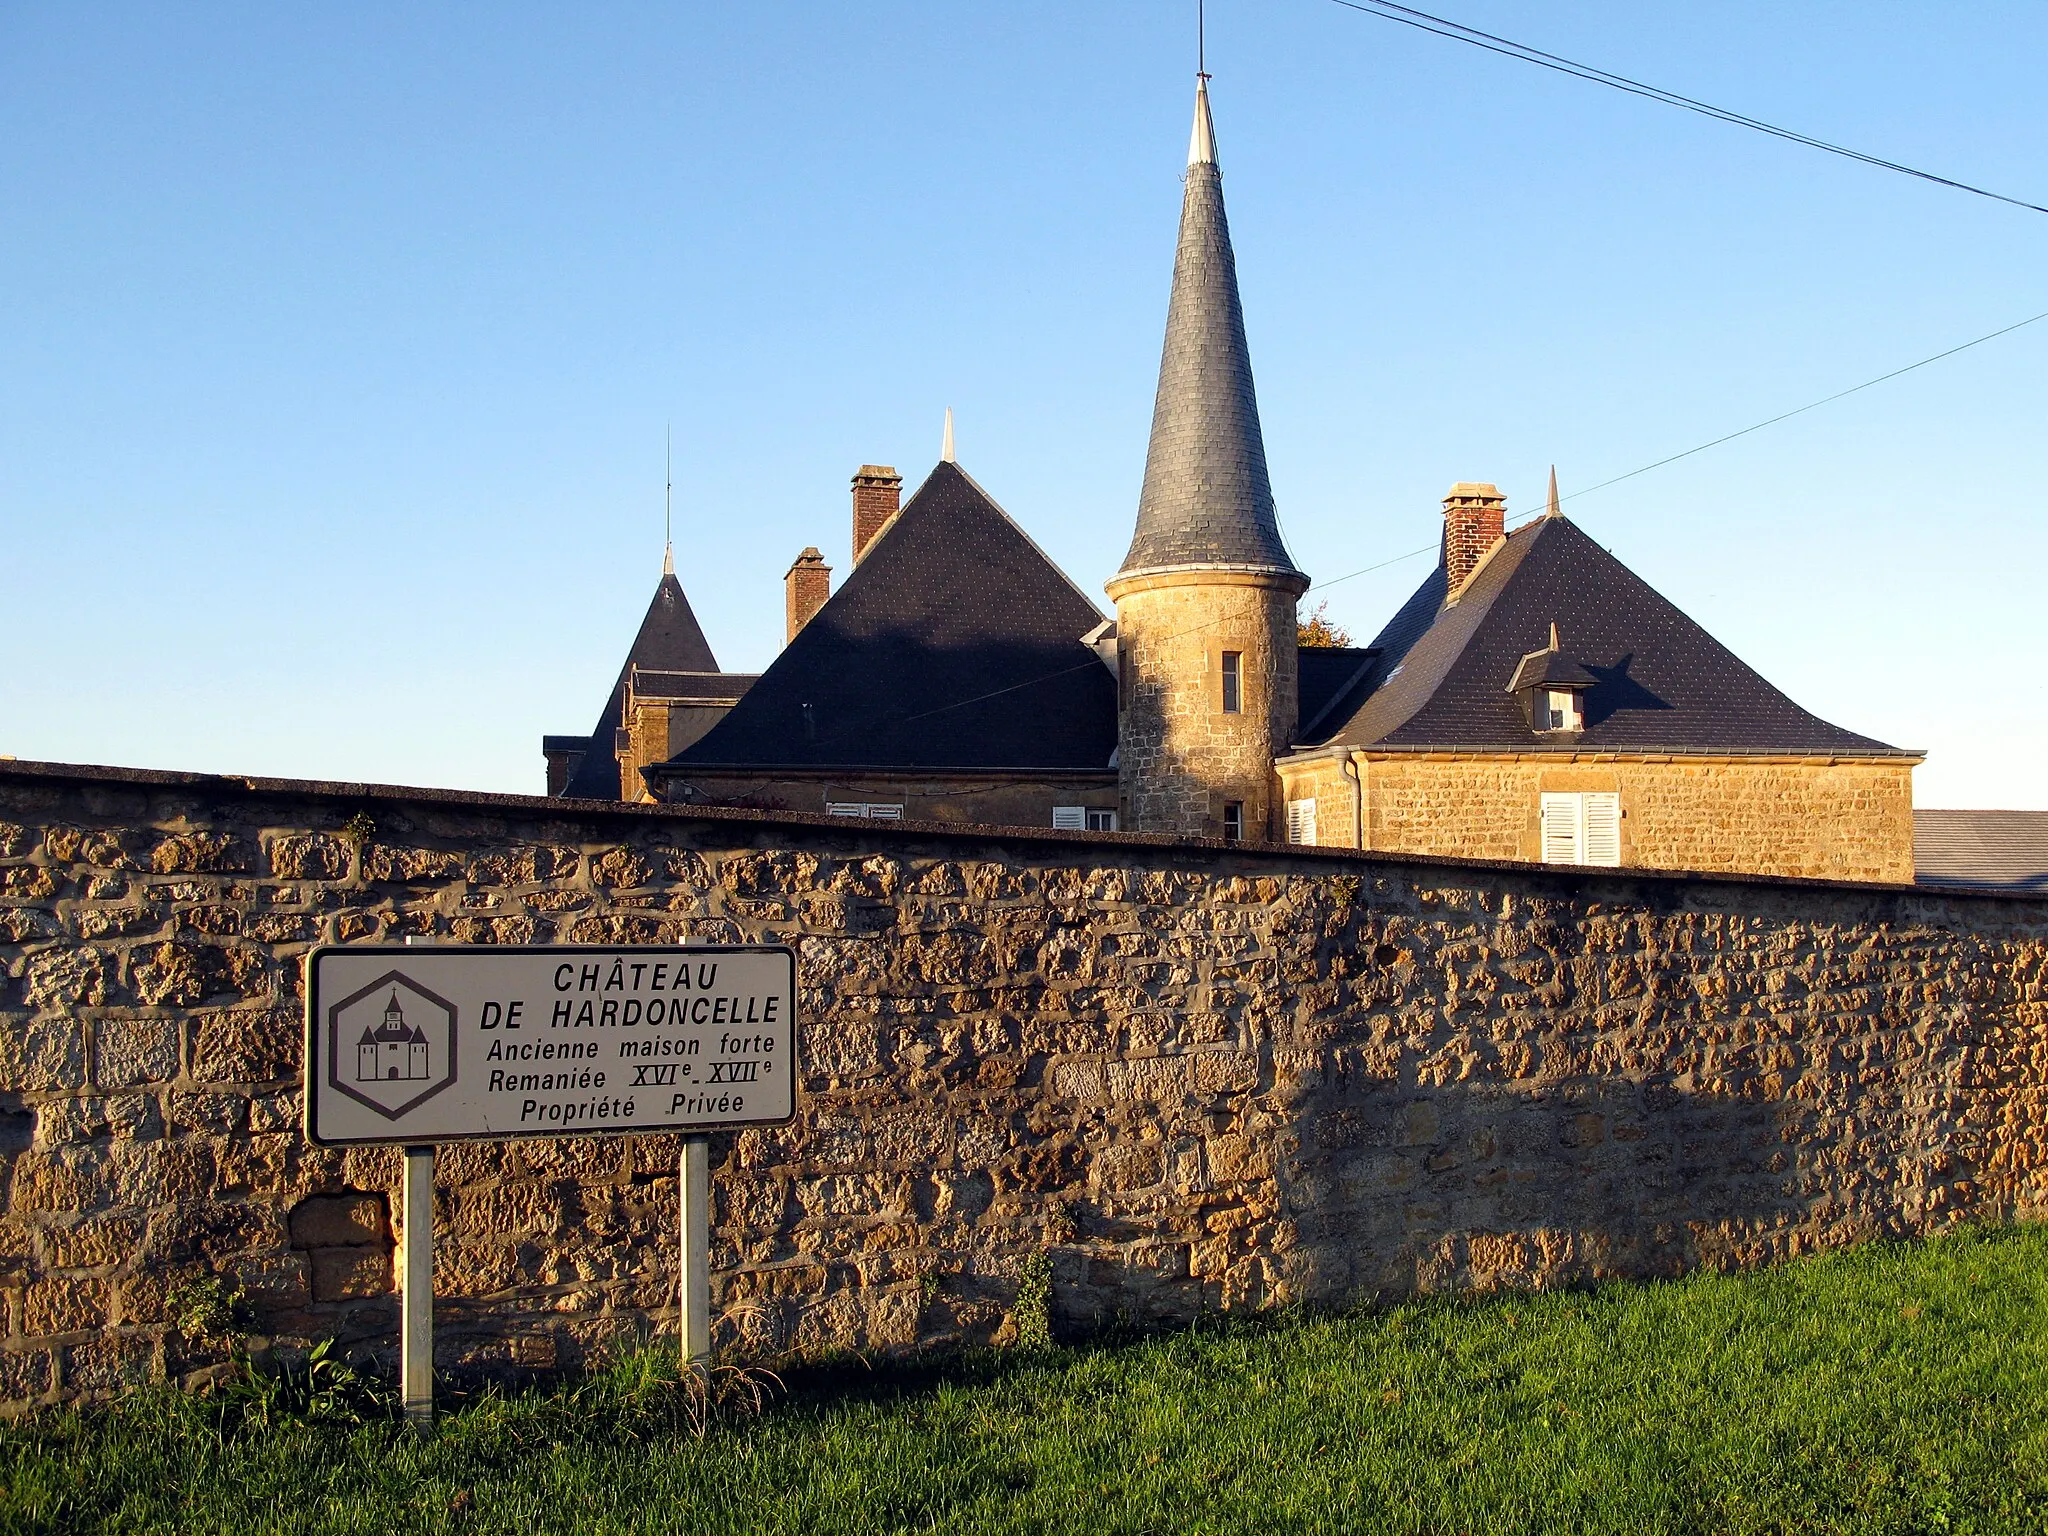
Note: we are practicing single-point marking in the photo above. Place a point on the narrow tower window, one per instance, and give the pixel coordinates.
(1233, 682)
(1233, 819)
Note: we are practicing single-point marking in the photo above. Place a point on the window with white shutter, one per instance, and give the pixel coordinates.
(1582, 828)
(1301, 821)
(1070, 818)
(1601, 815)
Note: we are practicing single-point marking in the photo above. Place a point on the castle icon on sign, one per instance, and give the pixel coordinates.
(390, 1045)
(394, 1051)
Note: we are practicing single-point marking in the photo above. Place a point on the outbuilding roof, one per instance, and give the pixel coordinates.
(954, 643)
(1658, 682)
(670, 640)
(1982, 850)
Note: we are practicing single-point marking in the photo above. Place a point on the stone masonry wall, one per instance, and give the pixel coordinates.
(1180, 756)
(1814, 820)
(1196, 1077)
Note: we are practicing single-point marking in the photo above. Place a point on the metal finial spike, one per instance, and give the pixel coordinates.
(1551, 509)
(946, 442)
(668, 500)
(1202, 143)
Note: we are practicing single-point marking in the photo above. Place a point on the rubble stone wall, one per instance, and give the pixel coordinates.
(1195, 1077)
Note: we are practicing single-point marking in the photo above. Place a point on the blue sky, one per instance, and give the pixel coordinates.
(337, 344)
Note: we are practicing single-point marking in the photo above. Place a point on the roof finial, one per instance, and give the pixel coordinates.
(1202, 143)
(946, 442)
(1551, 509)
(1555, 643)
(668, 500)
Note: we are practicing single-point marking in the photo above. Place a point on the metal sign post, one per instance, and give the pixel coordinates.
(695, 1179)
(418, 1045)
(416, 1289)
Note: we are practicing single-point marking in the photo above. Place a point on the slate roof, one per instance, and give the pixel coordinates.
(669, 640)
(1207, 500)
(954, 643)
(1330, 675)
(1663, 683)
(1982, 850)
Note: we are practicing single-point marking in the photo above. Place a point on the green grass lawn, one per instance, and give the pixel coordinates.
(1890, 1388)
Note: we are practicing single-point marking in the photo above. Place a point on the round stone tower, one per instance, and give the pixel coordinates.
(1205, 600)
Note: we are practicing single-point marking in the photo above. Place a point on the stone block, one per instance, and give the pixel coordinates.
(348, 1274)
(309, 856)
(131, 1052)
(46, 1056)
(247, 1047)
(91, 1242)
(200, 852)
(349, 1219)
(57, 1305)
(72, 977)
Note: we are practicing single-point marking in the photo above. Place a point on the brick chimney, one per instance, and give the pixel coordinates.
(806, 586)
(1475, 517)
(877, 492)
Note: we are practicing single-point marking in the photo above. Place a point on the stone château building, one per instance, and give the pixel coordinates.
(1533, 700)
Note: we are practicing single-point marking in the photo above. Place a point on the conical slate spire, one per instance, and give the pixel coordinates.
(1207, 501)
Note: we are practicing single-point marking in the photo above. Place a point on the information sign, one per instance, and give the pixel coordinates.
(422, 1045)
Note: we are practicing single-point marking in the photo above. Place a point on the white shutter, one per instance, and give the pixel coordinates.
(1070, 818)
(1602, 820)
(1301, 821)
(1561, 829)
(845, 808)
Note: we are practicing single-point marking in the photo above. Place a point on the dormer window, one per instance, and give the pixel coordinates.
(1552, 688)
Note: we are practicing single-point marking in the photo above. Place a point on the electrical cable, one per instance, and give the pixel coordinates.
(1458, 32)
(1430, 548)
(1729, 437)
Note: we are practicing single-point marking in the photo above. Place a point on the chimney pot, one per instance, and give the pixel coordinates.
(805, 588)
(1475, 519)
(877, 493)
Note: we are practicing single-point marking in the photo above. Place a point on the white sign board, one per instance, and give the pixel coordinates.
(449, 1044)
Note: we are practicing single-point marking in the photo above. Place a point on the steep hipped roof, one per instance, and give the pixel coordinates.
(669, 640)
(1206, 500)
(955, 643)
(1660, 681)
(1982, 850)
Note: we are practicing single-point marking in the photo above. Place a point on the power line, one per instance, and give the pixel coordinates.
(1729, 437)
(860, 728)
(1458, 32)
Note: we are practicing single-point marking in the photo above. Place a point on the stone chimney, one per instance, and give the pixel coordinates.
(808, 583)
(1475, 518)
(877, 493)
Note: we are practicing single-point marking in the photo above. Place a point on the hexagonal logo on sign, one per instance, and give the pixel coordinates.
(391, 1045)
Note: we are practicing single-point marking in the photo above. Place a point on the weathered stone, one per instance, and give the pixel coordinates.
(75, 977)
(130, 1052)
(350, 1219)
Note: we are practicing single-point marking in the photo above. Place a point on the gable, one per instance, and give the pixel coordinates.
(954, 643)
(1662, 683)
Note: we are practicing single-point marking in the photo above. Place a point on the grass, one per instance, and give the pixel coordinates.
(1892, 1388)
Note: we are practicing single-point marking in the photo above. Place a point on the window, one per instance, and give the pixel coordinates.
(1082, 818)
(1233, 821)
(1559, 708)
(1233, 682)
(1301, 821)
(1582, 829)
(870, 812)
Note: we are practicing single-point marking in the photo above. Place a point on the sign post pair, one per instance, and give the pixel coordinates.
(416, 1046)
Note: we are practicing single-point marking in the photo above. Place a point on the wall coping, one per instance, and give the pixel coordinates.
(28, 771)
